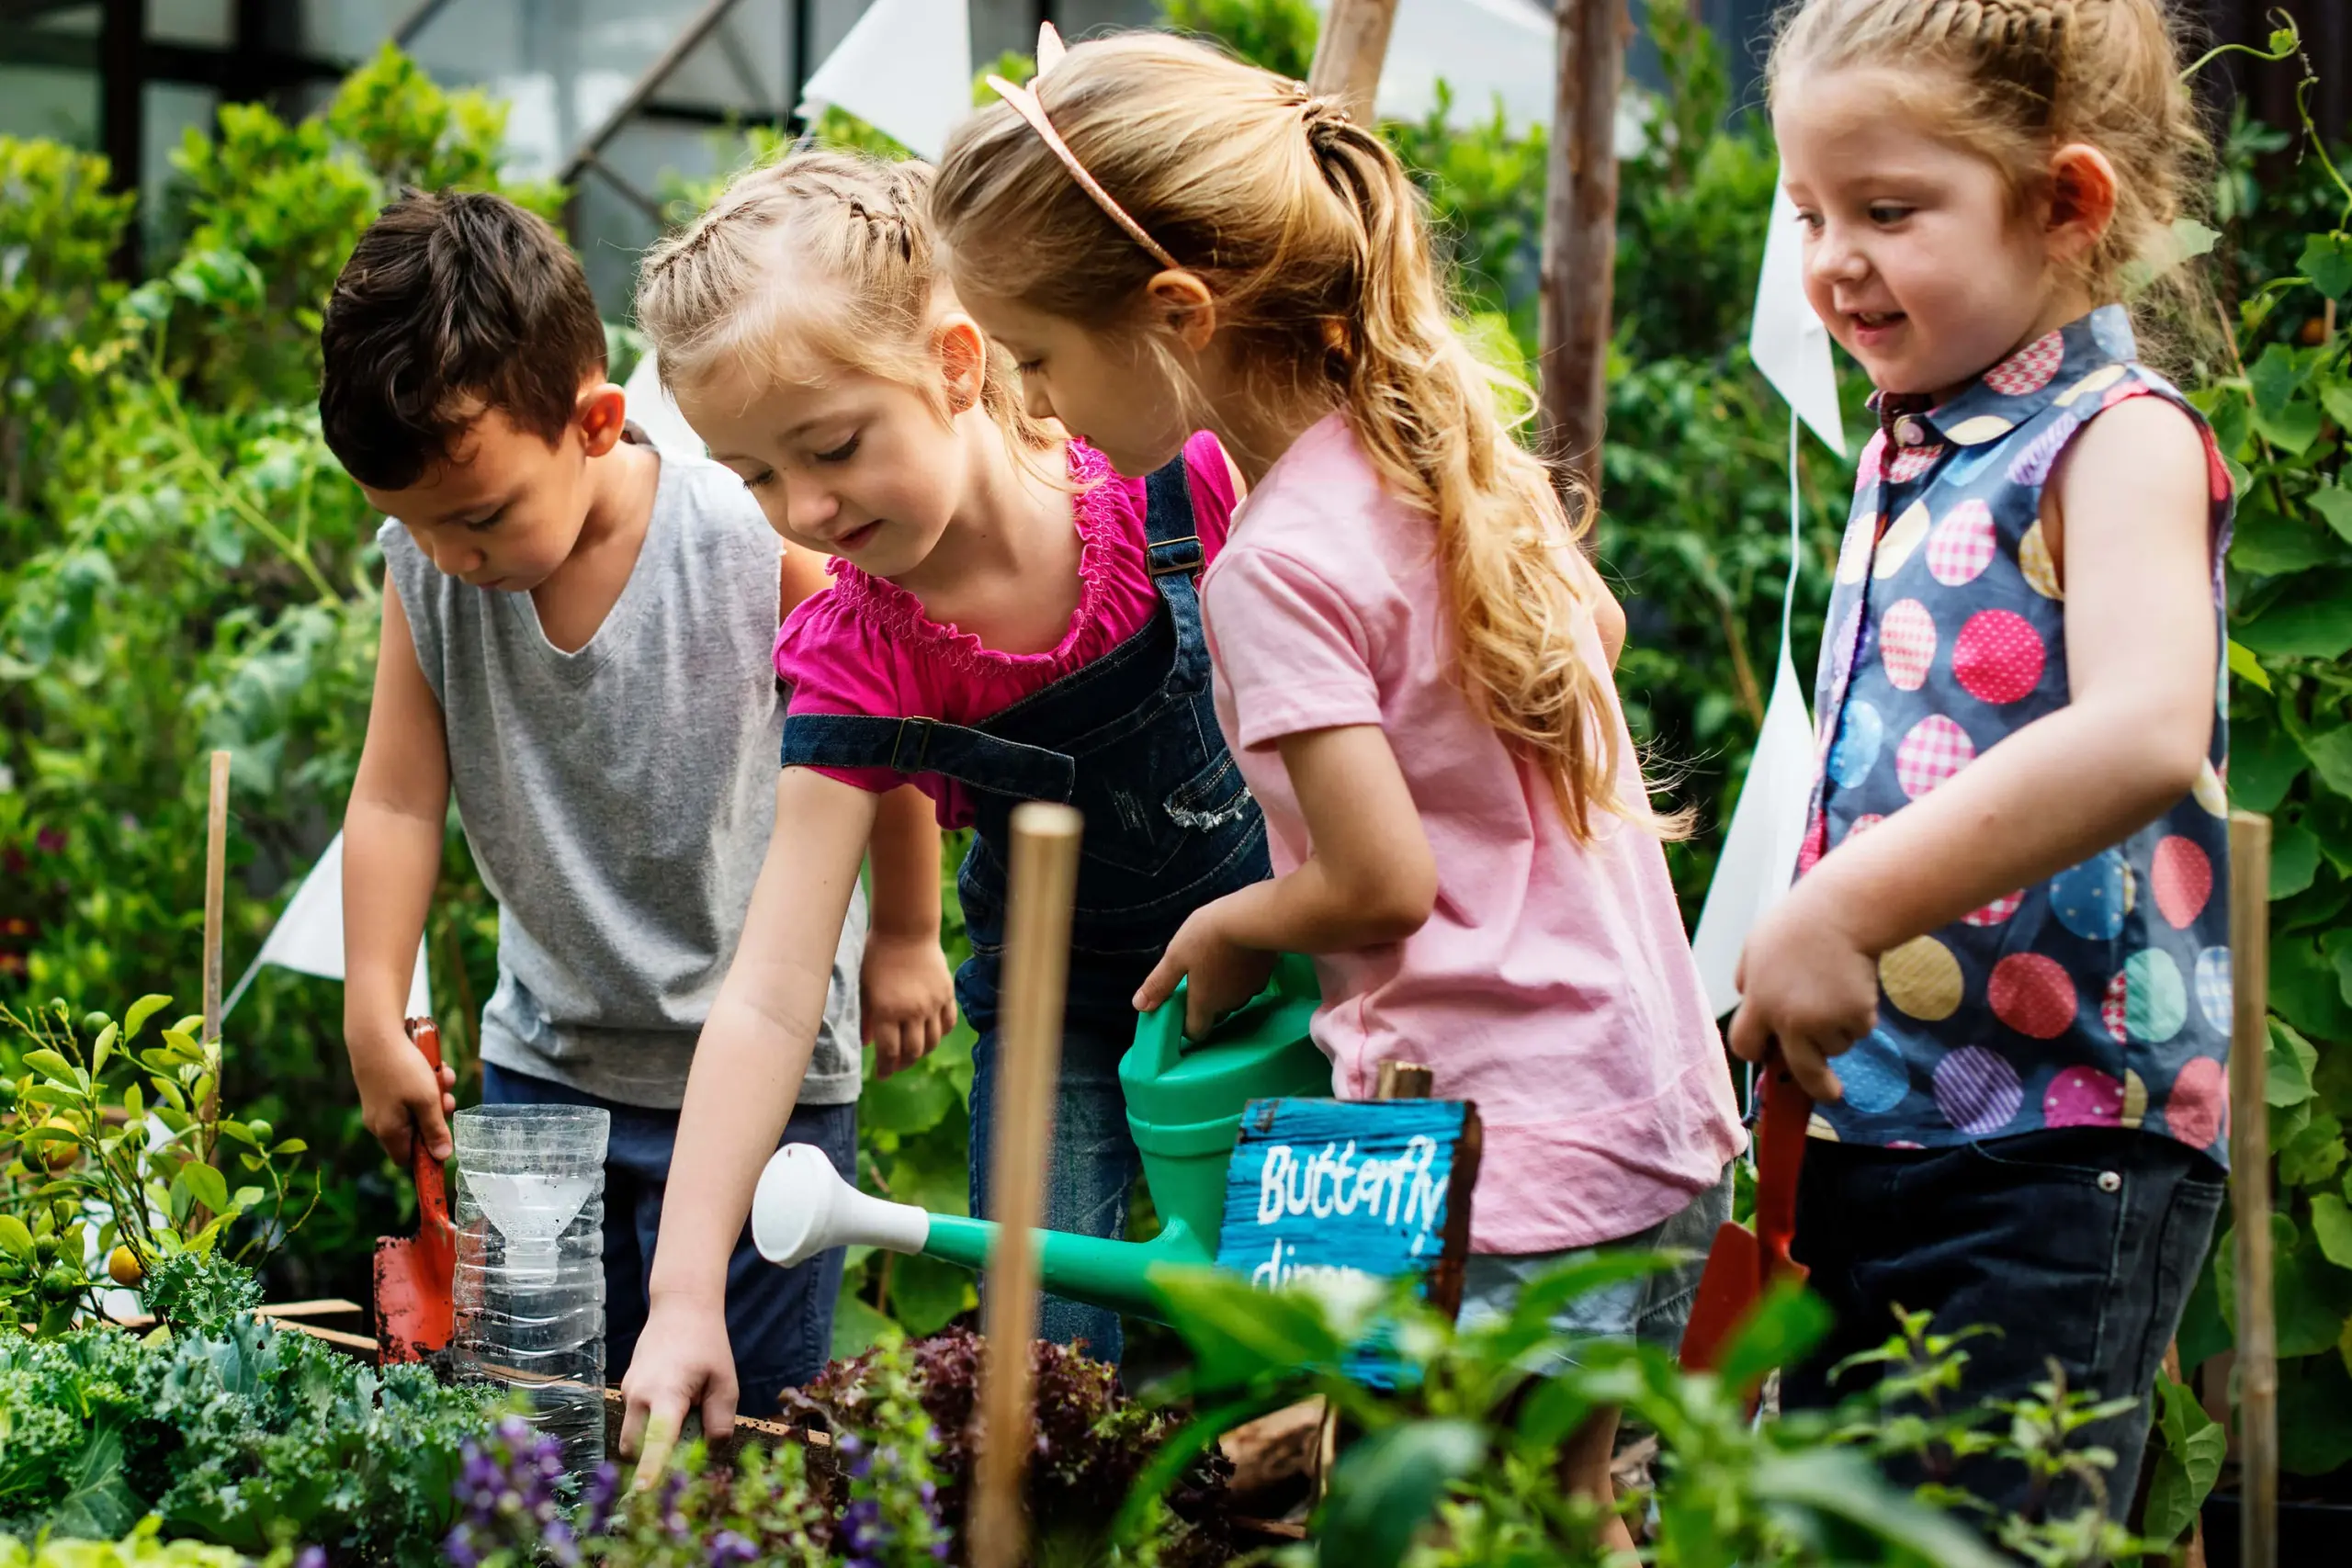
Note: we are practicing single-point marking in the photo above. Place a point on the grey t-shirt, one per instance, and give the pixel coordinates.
(618, 799)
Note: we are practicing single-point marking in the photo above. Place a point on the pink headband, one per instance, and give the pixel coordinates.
(1025, 104)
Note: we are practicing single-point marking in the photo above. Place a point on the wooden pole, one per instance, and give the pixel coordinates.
(216, 872)
(1044, 882)
(2250, 1195)
(1349, 52)
(1581, 240)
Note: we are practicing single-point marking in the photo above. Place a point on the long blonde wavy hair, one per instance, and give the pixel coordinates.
(1312, 238)
(822, 253)
(2015, 80)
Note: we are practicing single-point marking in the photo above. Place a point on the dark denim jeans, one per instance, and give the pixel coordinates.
(1093, 1162)
(779, 1321)
(2077, 1244)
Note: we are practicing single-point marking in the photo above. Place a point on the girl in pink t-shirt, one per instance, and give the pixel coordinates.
(1412, 655)
(1009, 620)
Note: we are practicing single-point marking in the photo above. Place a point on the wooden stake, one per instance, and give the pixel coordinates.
(1581, 240)
(2250, 1189)
(1349, 54)
(216, 872)
(1044, 881)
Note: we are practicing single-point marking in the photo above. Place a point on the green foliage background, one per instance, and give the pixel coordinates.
(182, 567)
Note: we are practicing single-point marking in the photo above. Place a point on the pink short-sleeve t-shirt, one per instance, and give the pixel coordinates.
(1552, 984)
(865, 647)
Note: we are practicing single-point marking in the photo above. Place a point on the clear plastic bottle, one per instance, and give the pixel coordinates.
(530, 1284)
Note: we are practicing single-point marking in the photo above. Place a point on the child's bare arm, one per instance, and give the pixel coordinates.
(746, 1076)
(907, 996)
(1370, 878)
(2139, 658)
(392, 857)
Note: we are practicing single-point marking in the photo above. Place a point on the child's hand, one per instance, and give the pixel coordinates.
(907, 998)
(1223, 973)
(683, 1361)
(400, 1096)
(1806, 986)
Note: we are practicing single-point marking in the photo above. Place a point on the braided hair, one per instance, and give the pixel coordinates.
(822, 254)
(2014, 81)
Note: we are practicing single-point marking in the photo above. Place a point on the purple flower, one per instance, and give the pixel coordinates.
(728, 1548)
(459, 1548)
(604, 1490)
(312, 1557)
(862, 1529)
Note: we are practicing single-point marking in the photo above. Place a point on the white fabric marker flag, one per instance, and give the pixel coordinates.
(654, 412)
(1786, 339)
(1759, 859)
(308, 937)
(905, 68)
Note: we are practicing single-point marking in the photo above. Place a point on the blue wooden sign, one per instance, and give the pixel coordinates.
(1379, 1188)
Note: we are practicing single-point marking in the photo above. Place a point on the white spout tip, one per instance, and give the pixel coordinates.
(802, 1207)
(793, 1203)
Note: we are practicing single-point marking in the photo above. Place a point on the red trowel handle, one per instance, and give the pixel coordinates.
(435, 1231)
(1780, 1159)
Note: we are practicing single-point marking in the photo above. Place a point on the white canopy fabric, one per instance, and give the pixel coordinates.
(308, 937)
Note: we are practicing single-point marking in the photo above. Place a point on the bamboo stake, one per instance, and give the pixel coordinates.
(2250, 1183)
(216, 872)
(1349, 52)
(1043, 880)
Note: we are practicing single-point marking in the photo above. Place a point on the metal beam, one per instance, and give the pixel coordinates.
(645, 87)
(408, 26)
(122, 119)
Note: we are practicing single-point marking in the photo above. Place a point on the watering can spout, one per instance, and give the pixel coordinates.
(802, 1207)
(1184, 1103)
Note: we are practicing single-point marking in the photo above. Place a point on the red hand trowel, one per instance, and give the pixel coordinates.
(414, 1313)
(1742, 1263)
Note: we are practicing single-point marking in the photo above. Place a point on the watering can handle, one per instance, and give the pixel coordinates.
(1780, 1157)
(432, 1184)
(1163, 1027)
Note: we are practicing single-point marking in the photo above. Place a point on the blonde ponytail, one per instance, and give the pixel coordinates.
(1312, 238)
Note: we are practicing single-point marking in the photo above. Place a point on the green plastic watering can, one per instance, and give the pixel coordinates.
(1184, 1104)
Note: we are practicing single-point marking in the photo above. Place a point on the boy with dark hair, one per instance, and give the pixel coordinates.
(576, 638)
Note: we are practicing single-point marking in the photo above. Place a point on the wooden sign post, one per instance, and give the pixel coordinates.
(2257, 1366)
(1042, 884)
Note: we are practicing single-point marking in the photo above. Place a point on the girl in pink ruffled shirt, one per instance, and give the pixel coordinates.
(1009, 620)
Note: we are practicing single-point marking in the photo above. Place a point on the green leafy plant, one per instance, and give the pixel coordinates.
(182, 566)
(143, 1151)
(2280, 402)
(142, 1548)
(239, 1434)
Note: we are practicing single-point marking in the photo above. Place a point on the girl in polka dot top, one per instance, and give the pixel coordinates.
(2003, 973)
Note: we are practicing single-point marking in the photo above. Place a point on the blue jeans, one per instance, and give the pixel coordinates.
(779, 1321)
(2078, 1244)
(1093, 1164)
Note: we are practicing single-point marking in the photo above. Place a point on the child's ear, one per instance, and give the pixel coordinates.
(601, 414)
(963, 360)
(1180, 302)
(2082, 200)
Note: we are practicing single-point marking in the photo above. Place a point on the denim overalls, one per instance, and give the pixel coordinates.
(1131, 740)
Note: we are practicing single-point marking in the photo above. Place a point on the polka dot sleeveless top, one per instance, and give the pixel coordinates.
(2101, 997)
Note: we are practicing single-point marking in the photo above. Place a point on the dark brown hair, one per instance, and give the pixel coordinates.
(451, 304)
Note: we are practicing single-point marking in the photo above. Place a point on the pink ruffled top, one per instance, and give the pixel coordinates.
(867, 647)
